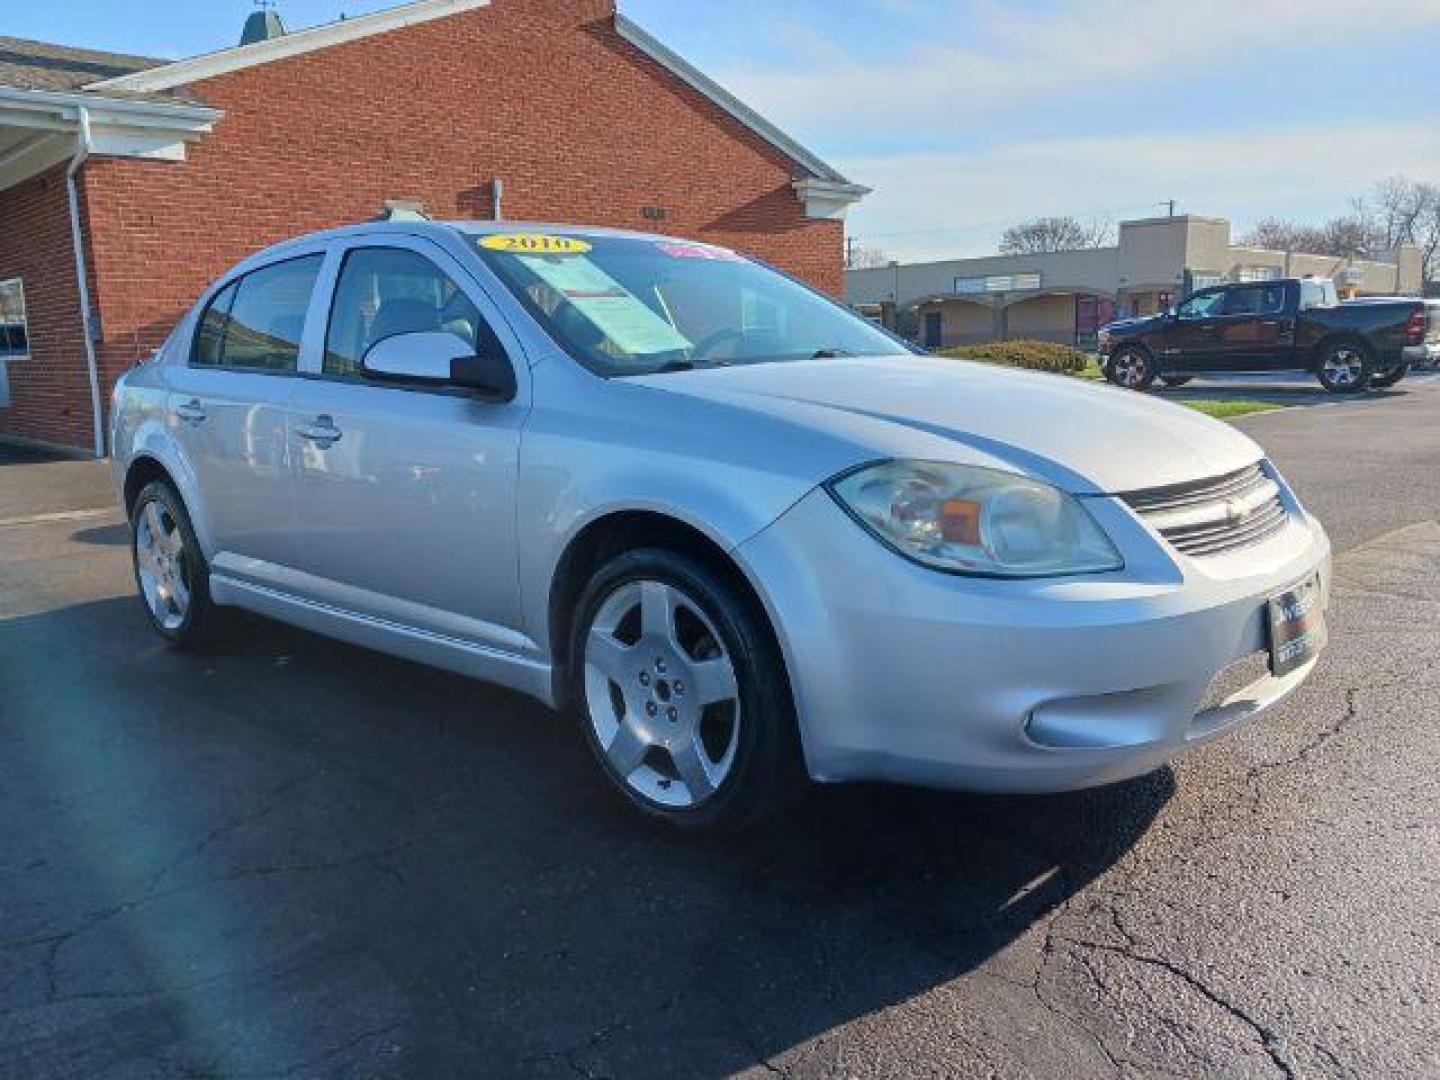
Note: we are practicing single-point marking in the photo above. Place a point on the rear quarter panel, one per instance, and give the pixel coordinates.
(141, 428)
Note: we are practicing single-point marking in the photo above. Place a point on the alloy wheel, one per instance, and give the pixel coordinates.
(161, 565)
(1129, 369)
(661, 694)
(1344, 367)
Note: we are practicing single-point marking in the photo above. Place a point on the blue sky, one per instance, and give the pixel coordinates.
(966, 115)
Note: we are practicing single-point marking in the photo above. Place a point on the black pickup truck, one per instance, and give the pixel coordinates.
(1284, 325)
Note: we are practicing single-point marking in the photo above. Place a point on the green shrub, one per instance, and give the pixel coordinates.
(1034, 355)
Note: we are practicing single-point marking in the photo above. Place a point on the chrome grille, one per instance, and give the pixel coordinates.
(1208, 517)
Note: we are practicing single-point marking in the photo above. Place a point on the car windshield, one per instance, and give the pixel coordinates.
(629, 306)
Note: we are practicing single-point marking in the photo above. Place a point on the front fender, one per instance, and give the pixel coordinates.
(724, 503)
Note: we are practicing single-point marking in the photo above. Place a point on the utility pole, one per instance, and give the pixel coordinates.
(850, 244)
(1171, 203)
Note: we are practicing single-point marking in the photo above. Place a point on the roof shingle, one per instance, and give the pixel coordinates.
(43, 65)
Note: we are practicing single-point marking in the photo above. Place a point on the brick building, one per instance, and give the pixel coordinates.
(157, 175)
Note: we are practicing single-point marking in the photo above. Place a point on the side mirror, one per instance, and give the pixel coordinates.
(436, 358)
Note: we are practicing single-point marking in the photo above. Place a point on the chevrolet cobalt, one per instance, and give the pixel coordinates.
(742, 534)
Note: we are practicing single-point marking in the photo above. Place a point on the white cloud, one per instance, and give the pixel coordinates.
(980, 63)
(951, 204)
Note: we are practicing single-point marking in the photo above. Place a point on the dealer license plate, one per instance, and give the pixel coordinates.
(1297, 627)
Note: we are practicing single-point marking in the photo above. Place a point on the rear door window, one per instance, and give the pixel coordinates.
(256, 323)
(1255, 300)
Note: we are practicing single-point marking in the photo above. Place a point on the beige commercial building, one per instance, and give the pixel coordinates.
(1065, 296)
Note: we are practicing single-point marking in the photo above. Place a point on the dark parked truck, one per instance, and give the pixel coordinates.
(1285, 325)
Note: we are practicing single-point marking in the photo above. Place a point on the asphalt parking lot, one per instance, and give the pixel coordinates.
(289, 857)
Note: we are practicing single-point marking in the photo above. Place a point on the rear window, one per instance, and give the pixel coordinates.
(1318, 294)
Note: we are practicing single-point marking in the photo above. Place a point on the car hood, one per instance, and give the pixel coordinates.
(1084, 437)
(1140, 324)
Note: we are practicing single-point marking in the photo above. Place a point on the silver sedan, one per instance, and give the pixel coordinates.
(742, 534)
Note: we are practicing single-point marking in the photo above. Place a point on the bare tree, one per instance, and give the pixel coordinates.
(1407, 212)
(861, 257)
(1427, 235)
(1274, 234)
(1395, 211)
(1045, 234)
(1352, 236)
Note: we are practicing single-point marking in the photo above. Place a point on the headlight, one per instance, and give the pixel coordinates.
(969, 520)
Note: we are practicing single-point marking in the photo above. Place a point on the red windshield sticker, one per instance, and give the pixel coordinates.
(699, 251)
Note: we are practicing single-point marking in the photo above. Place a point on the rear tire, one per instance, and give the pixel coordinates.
(1132, 368)
(170, 570)
(1389, 378)
(682, 695)
(1345, 367)
(1176, 381)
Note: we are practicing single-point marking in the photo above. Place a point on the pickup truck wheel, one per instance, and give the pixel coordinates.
(1133, 369)
(1345, 368)
(1174, 381)
(1389, 378)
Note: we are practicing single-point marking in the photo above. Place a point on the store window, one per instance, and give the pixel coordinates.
(14, 331)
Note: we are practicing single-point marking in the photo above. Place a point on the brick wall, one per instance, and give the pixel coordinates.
(49, 391)
(544, 94)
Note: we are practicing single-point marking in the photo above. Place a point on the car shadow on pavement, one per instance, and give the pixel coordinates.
(1294, 391)
(104, 536)
(284, 853)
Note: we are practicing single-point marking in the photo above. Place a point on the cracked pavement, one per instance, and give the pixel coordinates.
(286, 857)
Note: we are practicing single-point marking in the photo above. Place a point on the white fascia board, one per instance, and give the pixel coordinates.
(122, 140)
(688, 73)
(296, 43)
(120, 128)
(60, 111)
(828, 200)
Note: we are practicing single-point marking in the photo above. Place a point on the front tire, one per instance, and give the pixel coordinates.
(1345, 368)
(1132, 368)
(1389, 378)
(681, 693)
(170, 570)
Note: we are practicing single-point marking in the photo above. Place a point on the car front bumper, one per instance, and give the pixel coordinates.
(905, 674)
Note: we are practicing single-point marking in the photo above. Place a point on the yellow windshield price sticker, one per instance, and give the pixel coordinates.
(535, 244)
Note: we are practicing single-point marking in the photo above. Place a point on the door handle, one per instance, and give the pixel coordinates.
(192, 412)
(321, 431)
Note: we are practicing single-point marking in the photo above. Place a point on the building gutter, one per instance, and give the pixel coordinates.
(82, 153)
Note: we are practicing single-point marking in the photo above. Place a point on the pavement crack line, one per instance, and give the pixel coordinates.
(1330, 731)
(277, 798)
(1270, 1042)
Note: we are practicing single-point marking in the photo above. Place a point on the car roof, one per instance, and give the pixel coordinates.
(442, 228)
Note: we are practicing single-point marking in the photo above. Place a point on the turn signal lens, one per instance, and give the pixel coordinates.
(970, 520)
(960, 521)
